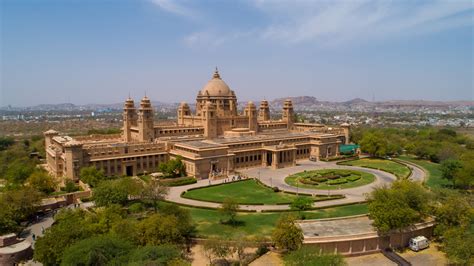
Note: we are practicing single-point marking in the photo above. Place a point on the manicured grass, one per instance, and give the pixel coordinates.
(243, 192)
(259, 224)
(434, 173)
(399, 170)
(296, 179)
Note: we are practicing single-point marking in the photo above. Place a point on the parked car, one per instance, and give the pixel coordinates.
(418, 243)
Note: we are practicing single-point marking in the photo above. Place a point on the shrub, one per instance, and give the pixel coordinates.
(354, 178)
(337, 182)
(308, 181)
(319, 179)
(276, 189)
(331, 176)
(136, 207)
(179, 181)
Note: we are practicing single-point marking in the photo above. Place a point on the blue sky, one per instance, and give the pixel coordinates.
(99, 51)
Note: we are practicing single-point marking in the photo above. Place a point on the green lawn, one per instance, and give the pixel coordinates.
(399, 170)
(296, 179)
(259, 224)
(243, 192)
(434, 173)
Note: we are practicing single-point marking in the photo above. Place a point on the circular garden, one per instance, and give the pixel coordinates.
(330, 179)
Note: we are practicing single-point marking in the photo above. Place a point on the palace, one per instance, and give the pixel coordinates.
(214, 140)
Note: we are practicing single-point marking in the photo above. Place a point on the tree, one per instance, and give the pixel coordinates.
(92, 176)
(397, 207)
(160, 229)
(42, 181)
(454, 211)
(154, 192)
(229, 209)
(110, 192)
(217, 248)
(308, 255)
(69, 227)
(449, 169)
(301, 204)
(465, 176)
(154, 255)
(16, 206)
(458, 244)
(6, 142)
(287, 235)
(173, 168)
(70, 186)
(374, 144)
(98, 250)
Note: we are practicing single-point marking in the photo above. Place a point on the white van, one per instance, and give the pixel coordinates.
(419, 242)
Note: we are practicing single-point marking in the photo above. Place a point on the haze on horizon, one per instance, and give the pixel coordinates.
(99, 51)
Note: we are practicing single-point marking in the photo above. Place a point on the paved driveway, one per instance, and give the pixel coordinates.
(276, 178)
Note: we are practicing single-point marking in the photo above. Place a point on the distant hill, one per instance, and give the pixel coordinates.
(299, 102)
(355, 101)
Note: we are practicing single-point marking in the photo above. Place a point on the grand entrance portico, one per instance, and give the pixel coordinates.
(278, 156)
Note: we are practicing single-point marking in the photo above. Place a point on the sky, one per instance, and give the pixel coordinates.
(101, 51)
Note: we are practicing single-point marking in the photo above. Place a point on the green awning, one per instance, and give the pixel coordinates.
(348, 148)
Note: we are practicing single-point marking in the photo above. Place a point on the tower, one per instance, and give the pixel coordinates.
(288, 115)
(209, 122)
(129, 119)
(346, 128)
(145, 120)
(183, 111)
(251, 113)
(73, 159)
(264, 111)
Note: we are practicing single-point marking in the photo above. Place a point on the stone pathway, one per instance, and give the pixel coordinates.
(276, 178)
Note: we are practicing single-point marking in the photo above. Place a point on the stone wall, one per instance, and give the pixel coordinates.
(362, 244)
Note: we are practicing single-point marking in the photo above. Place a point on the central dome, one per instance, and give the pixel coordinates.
(216, 87)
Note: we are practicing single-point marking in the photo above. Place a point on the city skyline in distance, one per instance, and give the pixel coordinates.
(98, 52)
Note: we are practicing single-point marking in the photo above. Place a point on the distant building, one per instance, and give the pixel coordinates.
(214, 140)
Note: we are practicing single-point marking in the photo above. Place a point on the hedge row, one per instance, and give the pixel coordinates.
(179, 182)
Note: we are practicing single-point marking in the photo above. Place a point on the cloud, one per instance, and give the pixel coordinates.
(213, 38)
(175, 7)
(341, 21)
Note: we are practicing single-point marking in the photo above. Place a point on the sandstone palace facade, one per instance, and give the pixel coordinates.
(214, 140)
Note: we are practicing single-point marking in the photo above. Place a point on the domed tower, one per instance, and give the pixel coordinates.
(288, 115)
(217, 92)
(209, 120)
(129, 119)
(183, 110)
(145, 120)
(264, 111)
(251, 113)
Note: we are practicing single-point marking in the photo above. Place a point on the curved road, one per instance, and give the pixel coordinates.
(277, 178)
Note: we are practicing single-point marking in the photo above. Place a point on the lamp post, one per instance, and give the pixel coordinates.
(271, 181)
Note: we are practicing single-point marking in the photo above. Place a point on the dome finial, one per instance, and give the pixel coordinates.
(216, 74)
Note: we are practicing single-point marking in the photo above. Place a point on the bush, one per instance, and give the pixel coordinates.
(337, 182)
(319, 179)
(179, 181)
(136, 207)
(307, 181)
(331, 176)
(261, 250)
(276, 189)
(354, 178)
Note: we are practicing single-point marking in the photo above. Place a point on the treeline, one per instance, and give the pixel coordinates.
(23, 184)
(405, 203)
(454, 151)
(114, 235)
